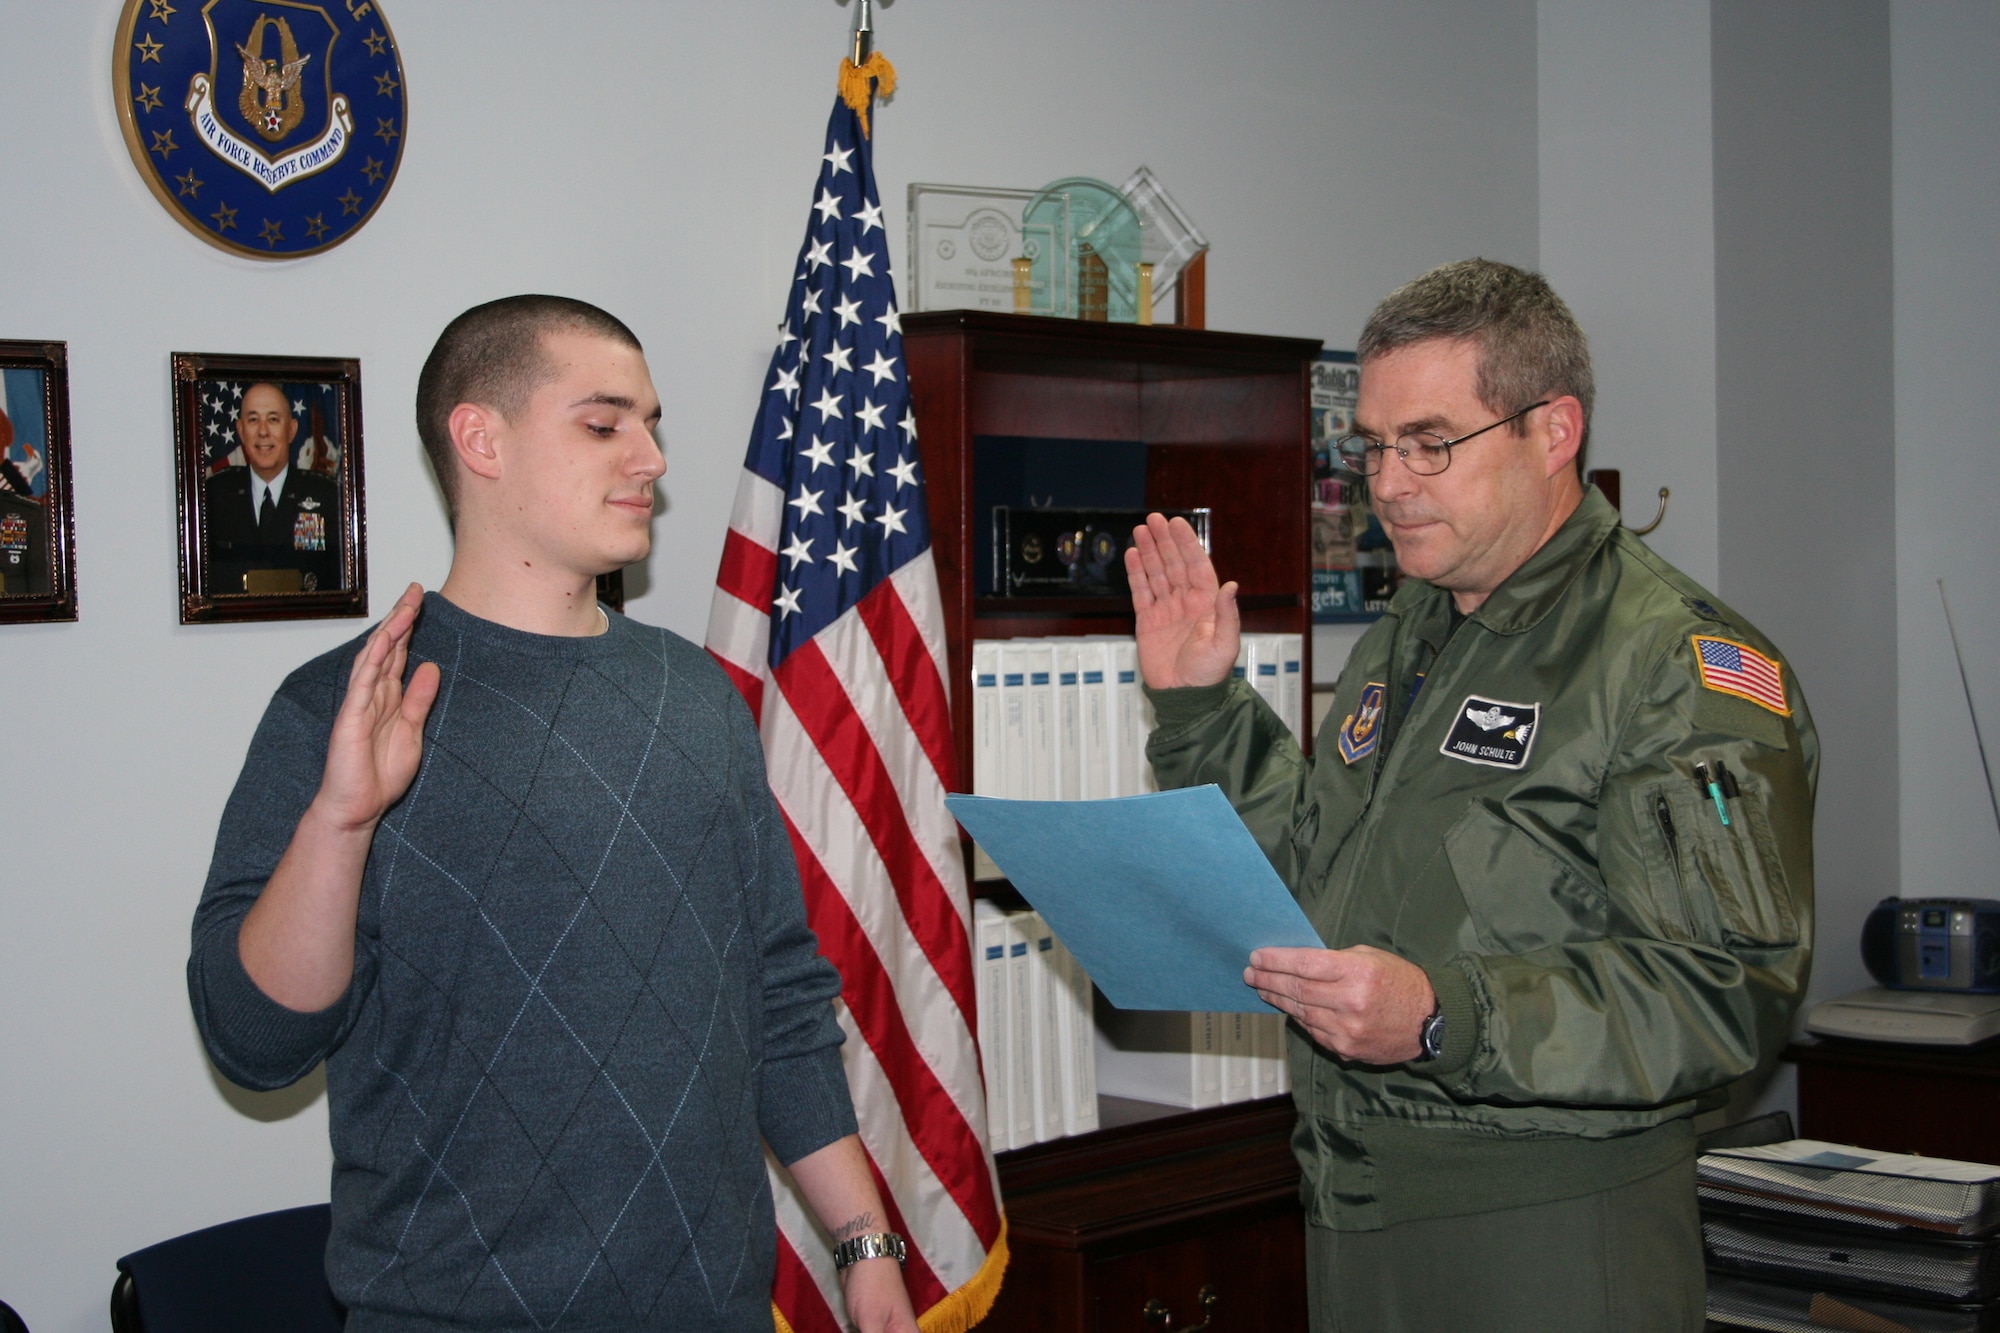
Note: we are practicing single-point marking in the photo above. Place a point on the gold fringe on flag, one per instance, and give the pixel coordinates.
(856, 92)
(958, 1312)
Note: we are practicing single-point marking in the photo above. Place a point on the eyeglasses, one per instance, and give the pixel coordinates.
(1423, 453)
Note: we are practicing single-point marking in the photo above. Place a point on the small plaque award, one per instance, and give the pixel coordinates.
(963, 243)
(1070, 552)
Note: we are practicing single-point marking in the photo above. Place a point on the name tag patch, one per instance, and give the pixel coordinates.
(1493, 732)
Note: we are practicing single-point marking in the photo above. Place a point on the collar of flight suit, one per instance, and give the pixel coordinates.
(1527, 595)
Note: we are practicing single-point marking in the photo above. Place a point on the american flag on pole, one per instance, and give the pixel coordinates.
(1741, 670)
(827, 617)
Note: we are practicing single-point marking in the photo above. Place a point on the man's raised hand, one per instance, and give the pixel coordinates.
(1188, 627)
(378, 736)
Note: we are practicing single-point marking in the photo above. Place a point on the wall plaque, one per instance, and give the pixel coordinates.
(269, 128)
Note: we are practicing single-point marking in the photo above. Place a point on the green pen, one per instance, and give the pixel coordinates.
(1714, 791)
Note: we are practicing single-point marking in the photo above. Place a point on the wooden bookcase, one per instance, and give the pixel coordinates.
(1125, 1228)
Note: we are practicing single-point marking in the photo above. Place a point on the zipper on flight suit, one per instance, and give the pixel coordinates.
(1663, 812)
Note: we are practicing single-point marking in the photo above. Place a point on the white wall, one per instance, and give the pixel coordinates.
(1947, 257)
(1806, 409)
(1330, 150)
(1628, 239)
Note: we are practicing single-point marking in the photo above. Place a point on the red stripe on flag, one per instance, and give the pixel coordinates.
(914, 674)
(820, 701)
(749, 686)
(935, 1124)
(748, 572)
(794, 1292)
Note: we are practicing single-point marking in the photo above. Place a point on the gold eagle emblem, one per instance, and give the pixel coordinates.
(270, 99)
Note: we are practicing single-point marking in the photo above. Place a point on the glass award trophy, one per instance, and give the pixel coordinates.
(1171, 238)
(1103, 229)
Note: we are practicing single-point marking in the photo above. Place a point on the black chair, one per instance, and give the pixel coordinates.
(263, 1274)
(9, 1321)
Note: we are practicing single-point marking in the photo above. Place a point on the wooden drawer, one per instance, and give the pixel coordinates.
(1101, 1227)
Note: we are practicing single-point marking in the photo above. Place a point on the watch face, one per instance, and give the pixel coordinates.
(1433, 1036)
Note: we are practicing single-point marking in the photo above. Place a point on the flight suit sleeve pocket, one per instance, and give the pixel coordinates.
(1711, 884)
(1518, 895)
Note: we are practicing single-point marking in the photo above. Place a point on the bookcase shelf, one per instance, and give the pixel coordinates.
(1158, 1203)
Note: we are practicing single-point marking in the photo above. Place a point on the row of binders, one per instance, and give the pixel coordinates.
(1047, 1056)
(1065, 719)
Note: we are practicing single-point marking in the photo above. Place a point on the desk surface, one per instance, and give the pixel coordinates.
(1972, 1063)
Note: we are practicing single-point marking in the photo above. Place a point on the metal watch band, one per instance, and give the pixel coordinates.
(875, 1245)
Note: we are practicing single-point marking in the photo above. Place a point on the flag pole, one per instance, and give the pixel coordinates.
(864, 31)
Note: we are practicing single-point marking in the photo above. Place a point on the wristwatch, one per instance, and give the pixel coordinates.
(1431, 1035)
(875, 1245)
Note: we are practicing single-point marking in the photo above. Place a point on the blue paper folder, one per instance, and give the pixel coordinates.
(1160, 897)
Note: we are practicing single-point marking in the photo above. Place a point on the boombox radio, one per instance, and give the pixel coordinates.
(1945, 944)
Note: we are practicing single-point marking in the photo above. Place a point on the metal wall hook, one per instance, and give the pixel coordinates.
(1640, 532)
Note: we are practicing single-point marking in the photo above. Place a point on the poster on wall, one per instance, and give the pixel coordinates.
(37, 518)
(270, 482)
(1353, 566)
(269, 128)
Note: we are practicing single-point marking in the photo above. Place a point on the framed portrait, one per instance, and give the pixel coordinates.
(37, 517)
(270, 485)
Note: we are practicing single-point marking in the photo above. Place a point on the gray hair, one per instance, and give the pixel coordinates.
(1529, 344)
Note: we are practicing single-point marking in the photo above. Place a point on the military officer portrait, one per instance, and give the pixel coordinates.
(273, 521)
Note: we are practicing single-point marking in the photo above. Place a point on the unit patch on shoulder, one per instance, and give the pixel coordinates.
(1738, 669)
(1493, 732)
(1364, 725)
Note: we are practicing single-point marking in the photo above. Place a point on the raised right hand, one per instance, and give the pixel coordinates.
(1188, 627)
(378, 735)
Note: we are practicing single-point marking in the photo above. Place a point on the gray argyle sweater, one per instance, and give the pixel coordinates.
(584, 989)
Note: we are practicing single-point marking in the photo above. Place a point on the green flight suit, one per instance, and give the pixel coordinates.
(1511, 804)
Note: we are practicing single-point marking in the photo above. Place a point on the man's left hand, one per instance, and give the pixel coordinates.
(877, 1301)
(1360, 1003)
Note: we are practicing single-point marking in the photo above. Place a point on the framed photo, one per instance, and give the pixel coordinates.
(270, 484)
(37, 518)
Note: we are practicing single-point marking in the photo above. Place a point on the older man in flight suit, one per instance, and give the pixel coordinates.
(1557, 837)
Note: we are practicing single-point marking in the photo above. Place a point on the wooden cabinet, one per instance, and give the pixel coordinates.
(1224, 421)
(1130, 1227)
(1156, 1225)
(1932, 1100)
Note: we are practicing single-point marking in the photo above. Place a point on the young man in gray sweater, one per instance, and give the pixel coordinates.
(509, 865)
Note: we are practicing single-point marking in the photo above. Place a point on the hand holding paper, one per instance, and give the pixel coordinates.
(1360, 1003)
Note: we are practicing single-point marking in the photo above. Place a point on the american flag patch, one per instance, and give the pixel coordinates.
(1738, 669)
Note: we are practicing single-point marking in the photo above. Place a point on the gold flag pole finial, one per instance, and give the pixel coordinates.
(866, 72)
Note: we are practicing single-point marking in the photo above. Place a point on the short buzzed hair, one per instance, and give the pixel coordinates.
(492, 355)
(1530, 346)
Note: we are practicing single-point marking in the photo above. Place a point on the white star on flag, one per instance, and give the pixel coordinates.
(882, 368)
(820, 452)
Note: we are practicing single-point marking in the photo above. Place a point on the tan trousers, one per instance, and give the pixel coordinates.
(1627, 1260)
